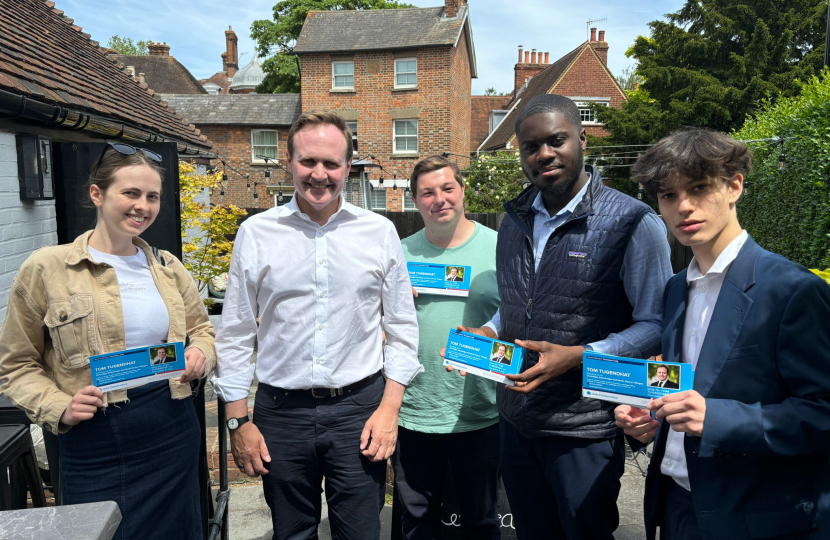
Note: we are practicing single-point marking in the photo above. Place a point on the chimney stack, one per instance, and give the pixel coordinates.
(601, 47)
(451, 7)
(232, 59)
(520, 54)
(529, 65)
(159, 49)
(593, 34)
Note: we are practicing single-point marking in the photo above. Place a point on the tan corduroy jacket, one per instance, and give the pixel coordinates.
(64, 307)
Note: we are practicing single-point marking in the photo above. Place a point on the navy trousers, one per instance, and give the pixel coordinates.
(309, 439)
(562, 487)
(679, 522)
(421, 462)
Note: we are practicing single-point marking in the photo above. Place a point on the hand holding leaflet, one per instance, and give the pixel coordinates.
(483, 331)
(554, 360)
(483, 356)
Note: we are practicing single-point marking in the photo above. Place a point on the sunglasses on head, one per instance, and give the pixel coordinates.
(126, 150)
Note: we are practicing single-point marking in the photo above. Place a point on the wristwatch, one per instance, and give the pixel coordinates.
(234, 423)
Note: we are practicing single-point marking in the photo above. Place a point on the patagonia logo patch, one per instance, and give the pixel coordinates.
(577, 255)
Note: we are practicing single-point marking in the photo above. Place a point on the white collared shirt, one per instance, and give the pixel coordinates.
(318, 293)
(703, 295)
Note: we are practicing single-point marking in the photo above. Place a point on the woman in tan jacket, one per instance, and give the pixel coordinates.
(103, 293)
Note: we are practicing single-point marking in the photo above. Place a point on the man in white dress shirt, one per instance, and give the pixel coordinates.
(744, 454)
(316, 275)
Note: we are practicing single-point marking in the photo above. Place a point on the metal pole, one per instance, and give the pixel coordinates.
(220, 518)
(827, 39)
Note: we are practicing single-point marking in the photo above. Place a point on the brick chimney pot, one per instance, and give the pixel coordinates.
(547, 58)
(533, 56)
(593, 34)
(602, 35)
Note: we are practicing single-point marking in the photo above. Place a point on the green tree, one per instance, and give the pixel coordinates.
(492, 92)
(712, 62)
(629, 79)
(127, 46)
(205, 227)
(280, 35)
(492, 180)
(787, 210)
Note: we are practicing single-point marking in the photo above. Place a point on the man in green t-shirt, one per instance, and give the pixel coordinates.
(447, 420)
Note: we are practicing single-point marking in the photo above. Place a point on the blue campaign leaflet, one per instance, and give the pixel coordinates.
(133, 367)
(630, 380)
(482, 356)
(445, 279)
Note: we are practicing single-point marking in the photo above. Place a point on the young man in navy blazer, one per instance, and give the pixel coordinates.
(745, 453)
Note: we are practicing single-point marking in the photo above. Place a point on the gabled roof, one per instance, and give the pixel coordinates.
(238, 109)
(384, 29)
(543, 83)
(164, 74)
(44, 57)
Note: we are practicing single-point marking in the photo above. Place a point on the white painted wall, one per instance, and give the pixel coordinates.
(24, 226)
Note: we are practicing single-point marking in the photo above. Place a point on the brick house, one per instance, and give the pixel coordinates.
(61, 96)
(581, 75)
(162, 72)
(244, 128)
(401, 78)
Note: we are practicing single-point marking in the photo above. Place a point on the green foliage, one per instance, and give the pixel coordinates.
(127, 46)
(492, 180)
(788, 211)
(205, 227)
(281, 34)
(629, 79)
(492, 92)
(713, 61)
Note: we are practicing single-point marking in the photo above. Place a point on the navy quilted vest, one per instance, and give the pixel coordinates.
(577, 297)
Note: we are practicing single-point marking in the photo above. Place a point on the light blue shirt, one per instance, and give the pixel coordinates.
(645, 271)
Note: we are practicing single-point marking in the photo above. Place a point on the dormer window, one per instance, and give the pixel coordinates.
(406, 73)
(342, 74)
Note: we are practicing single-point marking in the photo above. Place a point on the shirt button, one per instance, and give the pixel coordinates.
(322, 262)
(547, 224)
(320, 327)
(702, 288)
(322, 295)
(669, 463)
(319, 232)
(694, 332)
(317, 361)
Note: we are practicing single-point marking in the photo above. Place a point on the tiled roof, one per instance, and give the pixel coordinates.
(164, 74)
(44, 57)
(220, 78)
(372, 29)
(238, 109)
(540, 84)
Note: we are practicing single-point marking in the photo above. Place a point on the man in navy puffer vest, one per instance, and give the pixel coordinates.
(579, 265)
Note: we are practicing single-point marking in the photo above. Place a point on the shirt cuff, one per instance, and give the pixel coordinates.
(402, 372)
(492, 327)
(235, 386)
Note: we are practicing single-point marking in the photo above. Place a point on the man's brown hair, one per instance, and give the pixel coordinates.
(695, 154)
(315, 118)
(430, 164)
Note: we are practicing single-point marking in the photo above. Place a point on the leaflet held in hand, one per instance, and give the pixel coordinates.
(630, 380)
(129, 368)
(444, 279)
(482, 356)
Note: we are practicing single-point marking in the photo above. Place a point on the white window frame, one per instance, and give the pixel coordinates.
(372, 194)
(494, 125)
(351, 123)
(334, 77)
(411, 85)
(582, 105)
(395, 136)
(254, 158)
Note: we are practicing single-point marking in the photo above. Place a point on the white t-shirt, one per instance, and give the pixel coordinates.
(146, 321)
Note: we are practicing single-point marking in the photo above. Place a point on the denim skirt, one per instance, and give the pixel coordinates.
(144, 455)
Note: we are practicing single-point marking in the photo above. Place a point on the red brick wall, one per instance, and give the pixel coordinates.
(588, 78)
(233, 143)
(480, 117)
(443, 97)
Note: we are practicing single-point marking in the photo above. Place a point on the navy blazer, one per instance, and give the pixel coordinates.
(762, 467)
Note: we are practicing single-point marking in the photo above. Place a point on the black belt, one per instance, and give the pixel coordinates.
(319, 393)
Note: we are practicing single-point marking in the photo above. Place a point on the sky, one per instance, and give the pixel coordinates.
(194, 29)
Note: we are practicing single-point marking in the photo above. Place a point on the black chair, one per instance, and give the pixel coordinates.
(17, 458)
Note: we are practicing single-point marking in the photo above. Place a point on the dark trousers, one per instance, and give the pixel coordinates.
(679, 521)
(308, 439)
(562, 487)
(421, 461)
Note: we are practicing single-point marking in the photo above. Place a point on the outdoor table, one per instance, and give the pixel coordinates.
(93, 521)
